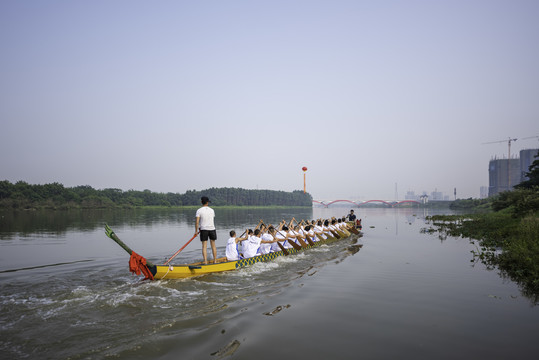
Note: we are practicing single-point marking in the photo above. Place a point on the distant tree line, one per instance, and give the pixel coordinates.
(22, 195)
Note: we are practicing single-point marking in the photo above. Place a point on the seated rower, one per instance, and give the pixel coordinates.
(295, 232)
(310, 232)
(268, 239)
(319, 231)
(232, 252)
(280, 238)
(341, 227)
(252, 245)
(286, 235)
(336, 229)
(348, 225)
(327, 230)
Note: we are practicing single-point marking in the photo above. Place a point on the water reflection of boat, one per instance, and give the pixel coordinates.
(139, 265)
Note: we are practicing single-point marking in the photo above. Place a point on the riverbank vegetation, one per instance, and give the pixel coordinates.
(24, 196)
(506, 228)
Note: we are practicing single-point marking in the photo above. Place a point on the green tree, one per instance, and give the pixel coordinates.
(6, 189)
(533, 176)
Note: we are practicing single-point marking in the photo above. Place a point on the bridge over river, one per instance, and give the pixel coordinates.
(327, 203)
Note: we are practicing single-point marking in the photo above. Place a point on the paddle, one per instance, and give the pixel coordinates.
(307, 237)
(298, 237)
(294, 245)
(309, 240)
(305, 234)
(301, 242)
(283, 249)
(183, 247)
(352, 229)
(332, 236)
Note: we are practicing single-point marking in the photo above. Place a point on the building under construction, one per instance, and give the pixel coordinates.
(504, 174)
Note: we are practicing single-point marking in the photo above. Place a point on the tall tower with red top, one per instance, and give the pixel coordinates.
(304, 182)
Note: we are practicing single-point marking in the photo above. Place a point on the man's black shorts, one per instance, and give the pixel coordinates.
(205, 234)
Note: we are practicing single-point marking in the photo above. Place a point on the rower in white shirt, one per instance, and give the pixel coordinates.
(268, 239)
(232, 246)
(319, 231)
(252, 245)
(280, 237)
(327, 230)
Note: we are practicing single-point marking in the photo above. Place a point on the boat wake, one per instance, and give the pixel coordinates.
(44, 266)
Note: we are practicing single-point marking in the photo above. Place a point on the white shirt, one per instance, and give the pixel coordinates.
(275, 246)
(250, 246)
(326, 231)
(206, 215)
(291, 237)
(266, 248)
(232, 250)
(320, 231)
(295, 235)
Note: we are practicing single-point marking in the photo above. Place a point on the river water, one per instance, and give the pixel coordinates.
(66, 292)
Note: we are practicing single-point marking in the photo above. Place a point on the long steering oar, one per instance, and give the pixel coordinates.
(183, 247)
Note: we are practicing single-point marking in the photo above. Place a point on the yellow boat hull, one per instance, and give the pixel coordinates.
(197, 269)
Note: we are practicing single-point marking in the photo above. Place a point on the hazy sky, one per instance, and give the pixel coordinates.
(179, 95)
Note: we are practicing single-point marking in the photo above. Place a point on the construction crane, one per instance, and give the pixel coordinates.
(509, 140)
(530, 137)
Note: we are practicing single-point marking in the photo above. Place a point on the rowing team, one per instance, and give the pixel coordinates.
(266, 239)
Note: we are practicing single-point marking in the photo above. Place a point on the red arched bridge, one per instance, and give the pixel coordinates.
(326, 203)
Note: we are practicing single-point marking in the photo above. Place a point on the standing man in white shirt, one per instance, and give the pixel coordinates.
(204, 223)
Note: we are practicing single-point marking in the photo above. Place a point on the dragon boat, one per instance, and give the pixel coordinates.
(140, 266)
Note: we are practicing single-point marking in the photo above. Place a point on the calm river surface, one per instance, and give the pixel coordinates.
(66, 293)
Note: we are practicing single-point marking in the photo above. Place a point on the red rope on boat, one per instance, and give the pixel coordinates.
(137, 265)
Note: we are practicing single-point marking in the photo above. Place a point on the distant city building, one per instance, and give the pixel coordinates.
(436, 195)
(503, 175)
(410, 195)
(424, 197)
(483, 192)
